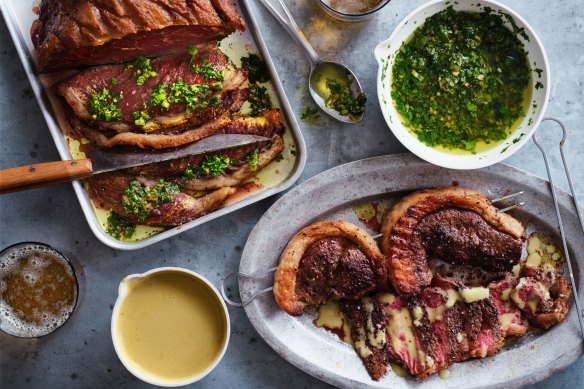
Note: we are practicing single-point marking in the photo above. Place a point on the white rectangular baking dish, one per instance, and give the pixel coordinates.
(19, 16)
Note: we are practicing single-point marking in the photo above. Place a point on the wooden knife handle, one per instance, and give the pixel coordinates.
(43, 174)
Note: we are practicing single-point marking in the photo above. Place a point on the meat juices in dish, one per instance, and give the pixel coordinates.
(326, 260)
(453, 224)
(108, 189)
(72, 33)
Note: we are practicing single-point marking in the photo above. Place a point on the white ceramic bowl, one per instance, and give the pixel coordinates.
(385, 55)
(142, 374)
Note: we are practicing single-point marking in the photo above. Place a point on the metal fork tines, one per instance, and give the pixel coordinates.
(509, 196)
(255, 276)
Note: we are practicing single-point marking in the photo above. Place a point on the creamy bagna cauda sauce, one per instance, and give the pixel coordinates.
(170, 326)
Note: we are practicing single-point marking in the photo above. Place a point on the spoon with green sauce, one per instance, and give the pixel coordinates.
(333, 86)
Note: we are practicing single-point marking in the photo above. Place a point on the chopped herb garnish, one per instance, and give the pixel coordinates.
(207, 71)
(140, 200)
(113, 82)
(460, 79)
(538, 85)
(257, 69)
(293, 152)
(102, 106)
(341, 100)
(538, 71)
(259, 98)
(118, 227)
(140, 117)
(142, 69)
(253, 160)
(159, 98)
(279, 157)
(309, 113)
(196, 96)
(201, 66)
(193, 50)
(212, 166)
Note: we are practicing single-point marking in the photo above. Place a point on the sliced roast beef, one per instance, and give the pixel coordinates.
(403, 344)
(73, 33)
(107, 190)
(510, 319)
(367, 321)
(238, 173)
(542, 294)
(175, 168)
(444, 324)
(238, 169)
(266, 124)
(208, 69)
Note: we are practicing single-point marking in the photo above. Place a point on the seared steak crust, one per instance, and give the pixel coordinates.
(327, 259)
(464, 237)
(334, 268)
(73, 33)
(402, 240)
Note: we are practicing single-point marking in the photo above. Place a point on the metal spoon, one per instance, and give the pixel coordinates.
(319, 70)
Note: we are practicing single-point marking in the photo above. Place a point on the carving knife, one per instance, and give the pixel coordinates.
(106, 160)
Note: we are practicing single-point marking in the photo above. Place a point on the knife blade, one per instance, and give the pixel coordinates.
(101, 161)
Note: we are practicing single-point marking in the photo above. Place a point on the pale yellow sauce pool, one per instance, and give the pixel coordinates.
(170, 327)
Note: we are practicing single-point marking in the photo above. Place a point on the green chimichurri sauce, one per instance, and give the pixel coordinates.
(212, 166)
(259, 99)
(119, 228)
(256, 68)
(253, 160)
(341, 100)
(461, 79)
(140, 200)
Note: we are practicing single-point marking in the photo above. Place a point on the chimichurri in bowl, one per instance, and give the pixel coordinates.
(462, 84)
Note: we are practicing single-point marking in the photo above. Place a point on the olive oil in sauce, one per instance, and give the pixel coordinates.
(328, 71)
(462, 83)
(482, 146)
(339, 91)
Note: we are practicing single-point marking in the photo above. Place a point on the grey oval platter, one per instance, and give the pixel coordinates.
(333, 195)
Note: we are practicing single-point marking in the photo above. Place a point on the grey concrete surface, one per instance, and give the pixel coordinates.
(81, 355)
